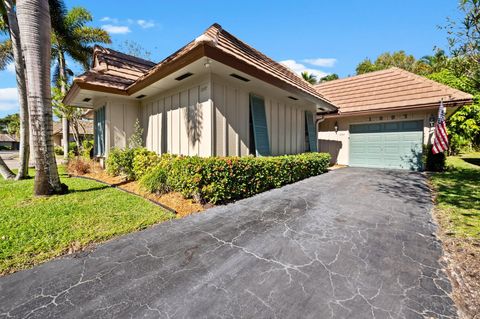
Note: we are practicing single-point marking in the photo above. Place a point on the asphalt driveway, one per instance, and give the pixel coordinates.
(352, 243)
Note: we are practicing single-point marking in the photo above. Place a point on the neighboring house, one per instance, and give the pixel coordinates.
(9, 141)
(216, 96)
(85, 131)
(383, 118)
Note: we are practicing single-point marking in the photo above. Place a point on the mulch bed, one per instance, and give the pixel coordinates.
(462, 257)
(175, 201)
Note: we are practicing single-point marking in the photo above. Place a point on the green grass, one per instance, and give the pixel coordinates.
(458, 196)
(35, 229)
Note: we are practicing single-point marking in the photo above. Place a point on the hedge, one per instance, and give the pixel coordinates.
(223, 179)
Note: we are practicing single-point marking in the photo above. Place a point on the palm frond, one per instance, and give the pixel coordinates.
(91, 35)
(6, 53)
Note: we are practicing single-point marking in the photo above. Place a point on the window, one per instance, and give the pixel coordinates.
(258, 127)
(311, 131)
(99, 132)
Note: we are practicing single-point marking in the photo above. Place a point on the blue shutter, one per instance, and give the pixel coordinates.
(99, 138)
(260, 129)
(312, 137)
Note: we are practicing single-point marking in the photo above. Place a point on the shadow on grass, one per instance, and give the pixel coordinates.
(91, 189)
(472, 160)
(459, 187)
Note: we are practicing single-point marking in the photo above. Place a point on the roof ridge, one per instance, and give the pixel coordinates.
(104, 50)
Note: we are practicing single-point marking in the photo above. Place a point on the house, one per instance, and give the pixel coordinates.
(9, 142)
(216, 96)
(85, 129)
(384, 118)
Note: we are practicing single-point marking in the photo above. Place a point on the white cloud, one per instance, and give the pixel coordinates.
(108, 19)
(322, 62)
(116, 29)
(8, 99)
(299, 68)
(144, 24)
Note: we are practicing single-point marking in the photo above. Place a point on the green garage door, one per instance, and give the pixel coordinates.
(387, 145)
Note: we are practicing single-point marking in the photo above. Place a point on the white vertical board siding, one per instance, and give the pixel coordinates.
(243, 112)
(120, 120)
(179, 121)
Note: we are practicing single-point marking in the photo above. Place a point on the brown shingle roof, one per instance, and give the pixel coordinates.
(118, 73)
(8, 138)
(86, 127)
(114, 69)
(388, 89)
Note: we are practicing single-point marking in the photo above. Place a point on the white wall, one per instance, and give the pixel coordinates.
(285, 119)
(179, 121)
(337, 143)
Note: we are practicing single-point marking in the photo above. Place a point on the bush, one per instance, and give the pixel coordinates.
(58, 150)
(79, 166)
(143, 160)
(221, 179)
(87, 147)
(155, 181)
(433, 162)
(120, 162)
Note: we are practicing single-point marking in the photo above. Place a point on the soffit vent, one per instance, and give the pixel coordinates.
(87, 99)
(241, 78)
(293, 98)
(141, 96)
(183, 76)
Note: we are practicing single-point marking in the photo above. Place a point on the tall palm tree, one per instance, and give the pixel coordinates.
(309, 77)
(35, 26)
(77, 43)
(13, 52)
(437, 61)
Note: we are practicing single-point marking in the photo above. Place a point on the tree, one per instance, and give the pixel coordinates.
(136, 141)
(464, 125)
(135, 49)
(309, 77)
(329, 77)
(35, 34)
(464, 38)
(13, 52)
(436, 62)
(397, 59)
(76, 43)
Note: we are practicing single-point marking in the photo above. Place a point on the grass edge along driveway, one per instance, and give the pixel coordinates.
(35, 229)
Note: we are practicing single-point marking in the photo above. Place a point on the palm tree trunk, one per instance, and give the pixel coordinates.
(5, 171)
(22, 90)
(63, 90)
(34, 22)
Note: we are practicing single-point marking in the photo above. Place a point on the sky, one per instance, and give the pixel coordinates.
(320, 36)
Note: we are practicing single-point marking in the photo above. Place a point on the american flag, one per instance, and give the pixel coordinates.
(440, 143)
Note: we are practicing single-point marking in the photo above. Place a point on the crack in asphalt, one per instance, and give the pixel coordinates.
(353, 242)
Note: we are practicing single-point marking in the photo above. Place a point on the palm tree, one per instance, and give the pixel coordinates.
(76, 43)
(309, 77)
(12, 51)
(35, 26)
(437, 61)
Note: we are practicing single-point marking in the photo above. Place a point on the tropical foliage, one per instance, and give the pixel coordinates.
(309, 77)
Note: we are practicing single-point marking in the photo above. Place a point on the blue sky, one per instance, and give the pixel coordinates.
(320, 36)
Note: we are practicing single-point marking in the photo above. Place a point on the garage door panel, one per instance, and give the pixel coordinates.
(387, 145)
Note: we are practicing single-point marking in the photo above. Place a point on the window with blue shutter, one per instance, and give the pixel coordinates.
(312, 136)
(259, 126)
(99, 134)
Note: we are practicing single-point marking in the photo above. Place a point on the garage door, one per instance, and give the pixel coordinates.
(387, 145)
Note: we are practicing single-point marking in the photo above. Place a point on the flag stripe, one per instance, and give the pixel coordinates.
(440, 143)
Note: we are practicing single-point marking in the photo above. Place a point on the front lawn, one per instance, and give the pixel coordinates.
(457, 211)
(34, 229)
(458, 196)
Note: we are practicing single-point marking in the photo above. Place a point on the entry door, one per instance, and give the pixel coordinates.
(99, 132)
(387, 145)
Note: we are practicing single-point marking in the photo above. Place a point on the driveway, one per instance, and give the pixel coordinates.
(350, 243)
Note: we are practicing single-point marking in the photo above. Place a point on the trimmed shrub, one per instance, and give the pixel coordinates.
(120, 162)
(143, 160)
(221, 179)
(433, 162)
(87, 147)
(155, 181)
